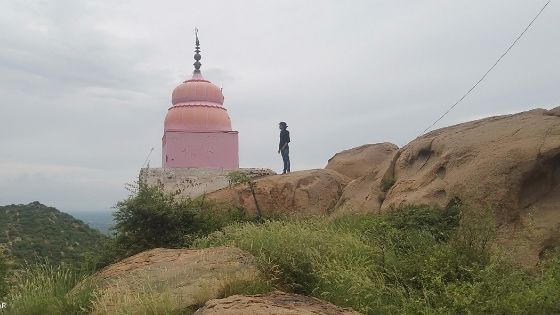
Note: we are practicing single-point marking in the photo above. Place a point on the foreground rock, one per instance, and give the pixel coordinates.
(304, 193)
(278, 303)
(172, 278)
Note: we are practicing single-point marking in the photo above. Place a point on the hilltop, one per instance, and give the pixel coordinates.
(35, 232)
(463, 219)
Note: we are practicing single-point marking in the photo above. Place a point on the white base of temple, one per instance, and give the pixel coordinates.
(194, 182)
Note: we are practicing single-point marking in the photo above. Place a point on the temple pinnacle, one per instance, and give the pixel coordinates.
(197, 55)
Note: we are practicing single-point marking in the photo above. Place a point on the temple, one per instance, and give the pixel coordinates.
(199, 147)
(197, 129)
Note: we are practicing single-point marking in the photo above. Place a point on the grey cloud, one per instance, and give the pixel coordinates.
(86, 84)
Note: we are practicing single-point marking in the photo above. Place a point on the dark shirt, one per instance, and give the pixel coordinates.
(284, 138)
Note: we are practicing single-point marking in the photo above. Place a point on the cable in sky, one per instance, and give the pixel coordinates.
(491, 68)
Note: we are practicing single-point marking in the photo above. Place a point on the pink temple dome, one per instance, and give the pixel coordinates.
(197, 106)
(197, 118)
(197, 92)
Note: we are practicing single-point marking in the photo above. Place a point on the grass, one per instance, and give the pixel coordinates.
(45, 289)
(418, 260)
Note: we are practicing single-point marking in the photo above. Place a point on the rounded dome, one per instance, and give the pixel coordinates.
(197, 92)
(197, 118)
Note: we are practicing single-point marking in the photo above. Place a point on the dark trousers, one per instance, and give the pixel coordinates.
(286, 158)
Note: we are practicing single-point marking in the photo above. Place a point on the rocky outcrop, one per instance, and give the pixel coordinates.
(363, 160)
(509, 162)
(303, 193)
(370, 166)
(278, 303)
(176, 278)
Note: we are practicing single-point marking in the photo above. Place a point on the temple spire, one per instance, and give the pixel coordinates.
(197, 55)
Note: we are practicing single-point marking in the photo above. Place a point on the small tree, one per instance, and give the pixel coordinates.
(151, 217)
(237, 177)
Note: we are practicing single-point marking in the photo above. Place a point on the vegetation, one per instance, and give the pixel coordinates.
(37, 233)
(237, 177)
(417, 260)
(3, 277)
(151, 218)
(414, 260)
(46, 289)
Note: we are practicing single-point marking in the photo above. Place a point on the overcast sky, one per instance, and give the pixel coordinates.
(85, 85)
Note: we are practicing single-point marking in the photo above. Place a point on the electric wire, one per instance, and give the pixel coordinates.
(489, 70)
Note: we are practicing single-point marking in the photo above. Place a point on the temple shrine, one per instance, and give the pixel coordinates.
(197, 129)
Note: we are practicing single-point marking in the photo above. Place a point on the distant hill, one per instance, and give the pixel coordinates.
(36, 232)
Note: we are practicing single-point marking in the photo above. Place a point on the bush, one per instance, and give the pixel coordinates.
(151, 218)
(415, 260)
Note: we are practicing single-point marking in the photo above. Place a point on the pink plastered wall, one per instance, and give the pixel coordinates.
(210, 149)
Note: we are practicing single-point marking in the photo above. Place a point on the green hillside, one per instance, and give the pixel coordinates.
(35, 232)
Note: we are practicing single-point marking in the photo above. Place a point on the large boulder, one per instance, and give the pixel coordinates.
(277, 303)
(172, 278)
(361, 161)
(303, 193)
(369, 166)
(511, 163)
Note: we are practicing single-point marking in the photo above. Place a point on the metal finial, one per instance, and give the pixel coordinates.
(197, 55)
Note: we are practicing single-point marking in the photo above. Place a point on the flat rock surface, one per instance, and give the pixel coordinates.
(277, 303)
(178, 278)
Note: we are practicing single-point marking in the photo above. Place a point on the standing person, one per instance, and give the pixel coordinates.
(283, 147)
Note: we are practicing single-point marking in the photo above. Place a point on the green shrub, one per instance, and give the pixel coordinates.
(151, 217)
(415, 260)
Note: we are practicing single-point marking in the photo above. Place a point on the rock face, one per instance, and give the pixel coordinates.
(178, 278)
(369, 166)
(306, 192)
(277, 303)
(357, 162)
(510, 162)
